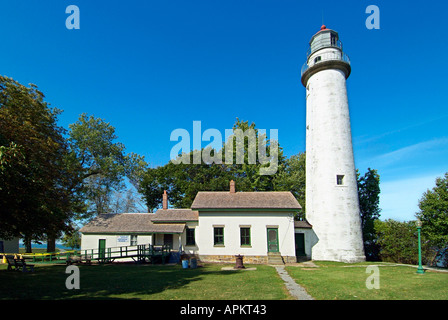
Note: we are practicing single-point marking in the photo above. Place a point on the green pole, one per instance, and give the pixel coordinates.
(420, 268)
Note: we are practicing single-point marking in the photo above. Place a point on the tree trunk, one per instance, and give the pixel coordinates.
(51, 244)
(27, 242)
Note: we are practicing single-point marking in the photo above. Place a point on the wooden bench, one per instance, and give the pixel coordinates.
(11, 263)
(19, 265)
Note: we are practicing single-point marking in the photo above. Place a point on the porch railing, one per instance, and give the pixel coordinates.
(327, 56)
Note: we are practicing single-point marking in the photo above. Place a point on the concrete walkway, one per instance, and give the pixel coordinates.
(294, 289)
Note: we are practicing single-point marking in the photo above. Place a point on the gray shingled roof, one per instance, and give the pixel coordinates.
(302, 224)
(129, 223)
(245, 200)
(175, 215)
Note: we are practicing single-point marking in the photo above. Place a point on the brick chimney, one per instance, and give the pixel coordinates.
(165, 200)
(232, 186)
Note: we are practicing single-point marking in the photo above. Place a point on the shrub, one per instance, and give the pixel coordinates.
(398, 242)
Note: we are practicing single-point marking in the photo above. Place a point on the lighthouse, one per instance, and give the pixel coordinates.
(332, 204)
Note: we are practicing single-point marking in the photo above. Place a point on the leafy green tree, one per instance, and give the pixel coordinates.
(369, 199)
(104, 165)
(292, 177)
(72, 240)
(434, 213)
(249, 154)
(184, 180)
(37, 186)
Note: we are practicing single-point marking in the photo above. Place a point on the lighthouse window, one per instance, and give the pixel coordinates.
(333, 40)
(339, 180)
(317, 59)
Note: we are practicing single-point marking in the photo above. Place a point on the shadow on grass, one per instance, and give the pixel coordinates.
(109, 281)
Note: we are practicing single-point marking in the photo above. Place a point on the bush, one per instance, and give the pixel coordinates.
(398, 242)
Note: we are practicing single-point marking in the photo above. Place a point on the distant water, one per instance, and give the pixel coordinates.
(59, 246)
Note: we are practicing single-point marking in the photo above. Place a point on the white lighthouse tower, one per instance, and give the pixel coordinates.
(332, 205)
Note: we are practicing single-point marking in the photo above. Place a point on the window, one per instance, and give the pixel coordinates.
(133, 240)
(333, 40)
(190, 237)
(218, 236)
(317, 59)
(245, 236)
(340, 180)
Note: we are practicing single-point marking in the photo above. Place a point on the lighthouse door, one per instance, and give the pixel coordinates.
(300, 244)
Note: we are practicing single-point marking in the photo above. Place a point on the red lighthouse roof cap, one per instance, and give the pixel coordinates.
(323, 28)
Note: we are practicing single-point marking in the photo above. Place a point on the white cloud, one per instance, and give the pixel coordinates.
(369, 139)
(412, 151)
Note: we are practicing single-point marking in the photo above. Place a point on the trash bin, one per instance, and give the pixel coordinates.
(185, 264)
(193, 263)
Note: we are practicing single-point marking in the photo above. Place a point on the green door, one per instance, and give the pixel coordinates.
(272, 240)
(102, 248)
(300, 244)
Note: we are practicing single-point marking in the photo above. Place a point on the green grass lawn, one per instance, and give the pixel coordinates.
(147, 282)
(330, 281)
(339, 281)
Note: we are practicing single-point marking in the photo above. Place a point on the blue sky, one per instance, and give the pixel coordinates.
(150, 67)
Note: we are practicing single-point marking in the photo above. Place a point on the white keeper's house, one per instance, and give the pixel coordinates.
(218, 226)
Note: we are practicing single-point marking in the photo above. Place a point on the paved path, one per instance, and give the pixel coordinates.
(294, 289)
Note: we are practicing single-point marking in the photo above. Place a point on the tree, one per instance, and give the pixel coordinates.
(72, 240)
(103, 163)
(369, 199)
(434, 213)
(184, 180)
(256, 158)
(37, 186)
(292, 177)
(127, 201)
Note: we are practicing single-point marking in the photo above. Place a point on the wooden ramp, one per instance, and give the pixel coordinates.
(138, 253)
